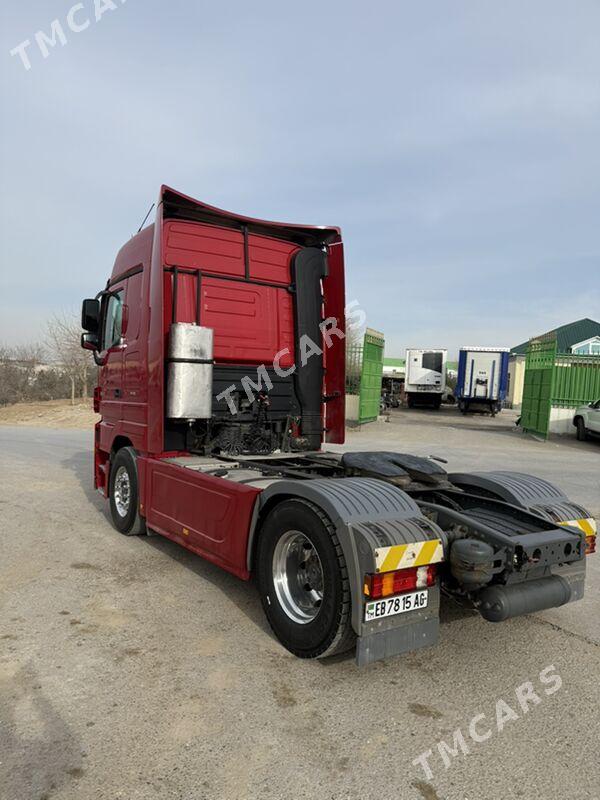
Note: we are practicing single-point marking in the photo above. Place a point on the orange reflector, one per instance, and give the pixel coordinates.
(387, 584)
(590, 544)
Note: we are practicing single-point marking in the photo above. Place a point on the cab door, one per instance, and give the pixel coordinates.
(134, 381)
(111, 372)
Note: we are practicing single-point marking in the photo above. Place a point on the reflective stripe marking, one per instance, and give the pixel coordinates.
(389, 558)
(588, 526)
(415, 554)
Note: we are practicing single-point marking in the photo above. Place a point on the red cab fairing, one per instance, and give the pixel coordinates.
(244, 293)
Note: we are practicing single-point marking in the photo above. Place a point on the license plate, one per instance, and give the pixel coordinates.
(399, 604)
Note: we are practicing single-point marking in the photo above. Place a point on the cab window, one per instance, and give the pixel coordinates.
(112, 320)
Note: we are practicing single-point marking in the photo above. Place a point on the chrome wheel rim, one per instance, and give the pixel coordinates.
(122, 491)
(298, 577)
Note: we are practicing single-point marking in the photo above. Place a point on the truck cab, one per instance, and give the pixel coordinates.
(240, 278)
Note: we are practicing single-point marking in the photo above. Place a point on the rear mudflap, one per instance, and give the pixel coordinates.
(401, 633)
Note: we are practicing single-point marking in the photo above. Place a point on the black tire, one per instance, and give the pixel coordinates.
(437, 404)
(330, 631)
(582, 434)
(410, 402)
(129, 523)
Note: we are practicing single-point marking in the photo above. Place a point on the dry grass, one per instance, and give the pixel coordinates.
(50, 414)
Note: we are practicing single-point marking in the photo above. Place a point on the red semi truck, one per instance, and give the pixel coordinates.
(220, 341)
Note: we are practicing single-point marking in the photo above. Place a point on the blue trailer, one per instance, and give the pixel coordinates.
(482, 378)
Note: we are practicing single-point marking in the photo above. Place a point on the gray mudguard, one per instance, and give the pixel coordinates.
(369, 515)
(527, 491)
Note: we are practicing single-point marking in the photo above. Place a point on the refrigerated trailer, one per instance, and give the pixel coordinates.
(482, 378)
(425, 381)
(220, 343)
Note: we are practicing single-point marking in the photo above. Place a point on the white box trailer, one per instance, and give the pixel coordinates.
(482, 378)
(425, 381)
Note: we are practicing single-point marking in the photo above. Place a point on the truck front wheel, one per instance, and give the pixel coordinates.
(303, 581)
(124, 493)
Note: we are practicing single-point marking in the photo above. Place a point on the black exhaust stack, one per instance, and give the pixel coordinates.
(308, 269)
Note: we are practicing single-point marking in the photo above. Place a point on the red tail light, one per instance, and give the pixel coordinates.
(590, 544)
(384, 584)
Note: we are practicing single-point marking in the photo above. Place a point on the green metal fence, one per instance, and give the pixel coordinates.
(537, 387)
(559, 381)
(364, 368)
(354, 355)
(370, 376)
(576, 380)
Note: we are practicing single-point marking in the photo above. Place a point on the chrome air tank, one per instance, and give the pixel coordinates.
(189, 372)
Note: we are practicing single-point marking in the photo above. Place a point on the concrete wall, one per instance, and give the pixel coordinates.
(561, 421)
(516, 379)
(352, 401)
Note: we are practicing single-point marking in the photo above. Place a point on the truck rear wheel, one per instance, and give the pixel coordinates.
(303, 581)
(124, 494)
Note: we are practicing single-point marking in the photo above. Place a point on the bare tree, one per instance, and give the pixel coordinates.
(64, 347)
(18, 368)
(32, 353)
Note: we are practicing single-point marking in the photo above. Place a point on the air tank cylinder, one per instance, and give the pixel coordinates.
(189, 372)
(471, 563)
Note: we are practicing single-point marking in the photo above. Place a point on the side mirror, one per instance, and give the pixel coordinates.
(90, 341)
(90, 316)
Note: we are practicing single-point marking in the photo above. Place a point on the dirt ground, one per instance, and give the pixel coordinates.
(132, 669)
(50, 414)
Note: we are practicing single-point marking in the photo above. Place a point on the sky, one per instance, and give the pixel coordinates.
(457, 145)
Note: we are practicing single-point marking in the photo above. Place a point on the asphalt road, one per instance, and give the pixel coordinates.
(130, 668)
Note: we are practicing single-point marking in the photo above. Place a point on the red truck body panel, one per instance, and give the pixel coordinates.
(251, 323)
(220, 251)
(126, 367)
(207, 515)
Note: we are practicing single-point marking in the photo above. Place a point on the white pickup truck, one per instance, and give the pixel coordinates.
(587, 420)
